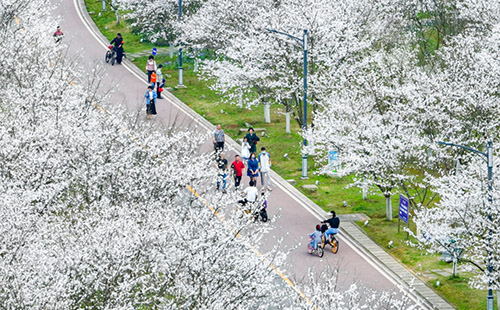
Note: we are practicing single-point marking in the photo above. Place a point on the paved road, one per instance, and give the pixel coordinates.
(294, 222)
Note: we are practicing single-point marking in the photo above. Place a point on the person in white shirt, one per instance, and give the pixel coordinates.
(151, 67)
(265, 168)
(245, 149)
(251, 194)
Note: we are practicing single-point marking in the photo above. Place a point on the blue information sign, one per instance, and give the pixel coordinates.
(404, 205)
(154, 51)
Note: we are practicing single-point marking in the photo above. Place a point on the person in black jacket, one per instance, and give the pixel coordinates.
(118, 43)
(334, 223)
(252, 140)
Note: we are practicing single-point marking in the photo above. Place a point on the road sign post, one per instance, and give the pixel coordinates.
(404, 211)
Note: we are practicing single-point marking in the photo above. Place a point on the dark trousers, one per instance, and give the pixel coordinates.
(119, 55)
(219, 146)
(149, 77)
(237, 180)
(158, 92)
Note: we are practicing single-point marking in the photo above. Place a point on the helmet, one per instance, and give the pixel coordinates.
(318, 227)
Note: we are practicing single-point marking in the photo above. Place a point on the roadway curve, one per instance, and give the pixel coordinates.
(294, 222)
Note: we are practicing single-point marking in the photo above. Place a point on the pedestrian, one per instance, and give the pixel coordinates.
(265, 168)
(245, 149)
(150, 67)
(160, 88)
(222, 166)
(238, 168)
(153, 81)
(118, 42)
(253, 168)
(252, 140)
(150, 102)
(219, 138)
(159, 80)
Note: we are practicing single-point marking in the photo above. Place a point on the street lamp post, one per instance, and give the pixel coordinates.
(303, 41)
(489, 163)
(180, 51)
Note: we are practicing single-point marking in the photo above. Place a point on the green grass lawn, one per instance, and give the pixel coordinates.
(332, 191)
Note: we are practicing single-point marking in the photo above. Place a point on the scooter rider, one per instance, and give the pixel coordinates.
(334, 223)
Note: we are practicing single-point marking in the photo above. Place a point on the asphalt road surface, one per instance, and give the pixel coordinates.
(294, 222)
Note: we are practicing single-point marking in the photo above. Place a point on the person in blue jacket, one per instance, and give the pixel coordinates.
(150, 102)
(253, 168)
(316, 237)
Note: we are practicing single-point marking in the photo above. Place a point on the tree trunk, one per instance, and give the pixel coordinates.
(287, 115)
(240, 99)
(454, 270)
(365, 190)
(267, 112)
(171, 51)
(196, 61)
(117, 17)
(388, 207)
(498, 299)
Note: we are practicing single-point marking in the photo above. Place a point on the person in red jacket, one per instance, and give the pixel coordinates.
(238, 167)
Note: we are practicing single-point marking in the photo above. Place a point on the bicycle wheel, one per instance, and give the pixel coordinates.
(321, 252)
(108, 56)
(335, 246)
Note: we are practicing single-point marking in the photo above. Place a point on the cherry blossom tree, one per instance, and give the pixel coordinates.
(157, 19)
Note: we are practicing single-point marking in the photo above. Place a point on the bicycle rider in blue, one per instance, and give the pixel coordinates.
(334, 223)
(316, 237)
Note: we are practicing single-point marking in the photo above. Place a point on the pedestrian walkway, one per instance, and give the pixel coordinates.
(394, 266)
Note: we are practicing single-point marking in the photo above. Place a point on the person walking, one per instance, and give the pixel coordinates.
(265, 168)
(252, 140)
(151, 67)
(238, 168)
(245, 150)
(222, 166)
(253, 168)
(118, 47)
(219, 138)
(150, 102)
(153, 81)
(159, 80)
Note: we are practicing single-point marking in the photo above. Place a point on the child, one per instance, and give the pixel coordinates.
(153, 79)
(245, 149)
(160, 88)
(316, 237)
(159, 79)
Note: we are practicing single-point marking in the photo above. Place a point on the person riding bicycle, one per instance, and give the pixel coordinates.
(315, 237)
(118, 42)
(58, 34)
(334, 223)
